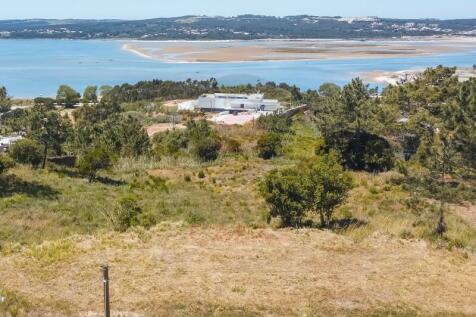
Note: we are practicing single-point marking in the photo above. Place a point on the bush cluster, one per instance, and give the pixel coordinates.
(27, 151)
(318, 186)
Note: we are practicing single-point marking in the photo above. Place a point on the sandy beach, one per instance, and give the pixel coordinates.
(293, 50)
(393, 78)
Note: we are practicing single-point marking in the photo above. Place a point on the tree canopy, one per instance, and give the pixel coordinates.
(67, 96)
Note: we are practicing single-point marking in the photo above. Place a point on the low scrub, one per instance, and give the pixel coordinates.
(27, 151)
(269, 145)
(54, 252)
(128, 213)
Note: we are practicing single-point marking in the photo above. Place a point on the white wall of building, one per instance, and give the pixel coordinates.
(237, 102)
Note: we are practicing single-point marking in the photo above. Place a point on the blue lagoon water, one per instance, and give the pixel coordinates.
(30, 68)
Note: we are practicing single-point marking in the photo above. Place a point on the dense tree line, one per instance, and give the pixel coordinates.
(164, 89)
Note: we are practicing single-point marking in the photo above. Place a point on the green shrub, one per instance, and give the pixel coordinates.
(320, 185)
(329, 185)
(269, 145)
(206, 149)
(201, 174)
(187, 178)
(149, 183)
(94, 160)
(197, 130)
(170, 143)
(146, 220)
(27, 151)
(275, 123)
(126, 214)
(5, 163)
(286, 194)
(232, 146)
(205, 144)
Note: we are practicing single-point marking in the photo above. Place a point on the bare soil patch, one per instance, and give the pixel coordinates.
(162, 127)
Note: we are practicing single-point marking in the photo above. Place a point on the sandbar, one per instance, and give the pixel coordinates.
(294, 50)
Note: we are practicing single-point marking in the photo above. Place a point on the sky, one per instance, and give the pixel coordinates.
(141, 9)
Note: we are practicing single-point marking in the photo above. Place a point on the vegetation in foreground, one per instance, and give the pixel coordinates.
(356, 169)
(238, 271)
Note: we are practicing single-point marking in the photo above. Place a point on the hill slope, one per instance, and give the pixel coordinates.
(233, 271)
(239, 27)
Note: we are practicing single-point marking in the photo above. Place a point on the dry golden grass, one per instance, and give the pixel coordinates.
(234, 271)
(467, 211)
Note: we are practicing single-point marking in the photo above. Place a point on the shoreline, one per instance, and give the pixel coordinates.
(393, 78)
(137, 51)
(356, 39)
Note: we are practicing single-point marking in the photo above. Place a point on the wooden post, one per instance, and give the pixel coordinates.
(105, 275)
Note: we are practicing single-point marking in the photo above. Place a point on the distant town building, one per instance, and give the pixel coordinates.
(232, 102)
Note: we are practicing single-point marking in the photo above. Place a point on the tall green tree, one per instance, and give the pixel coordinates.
(296, 96)
(356, 124)
(329, 186)
(357, 106)
(50, 129)
(67, 96)
(463, 122)
(125, 136)
(46, 104)
(329, 89)
(5, 102)
(438, 153)
(90, 95)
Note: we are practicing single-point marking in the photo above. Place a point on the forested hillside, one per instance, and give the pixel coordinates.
(240, 27)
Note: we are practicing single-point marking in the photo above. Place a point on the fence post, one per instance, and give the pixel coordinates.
(105, 279)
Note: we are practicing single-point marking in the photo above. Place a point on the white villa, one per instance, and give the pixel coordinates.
(233, 103)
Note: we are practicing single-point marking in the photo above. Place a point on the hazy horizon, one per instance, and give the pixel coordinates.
(145, 9)
(231, 16)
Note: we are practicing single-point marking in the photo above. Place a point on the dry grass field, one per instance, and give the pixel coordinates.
(236, 271)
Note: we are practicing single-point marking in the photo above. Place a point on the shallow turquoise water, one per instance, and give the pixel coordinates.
(30, 68)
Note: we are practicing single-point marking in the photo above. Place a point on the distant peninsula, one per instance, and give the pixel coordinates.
(244, 27)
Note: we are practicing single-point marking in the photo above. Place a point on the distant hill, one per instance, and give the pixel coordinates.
(239, 27)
